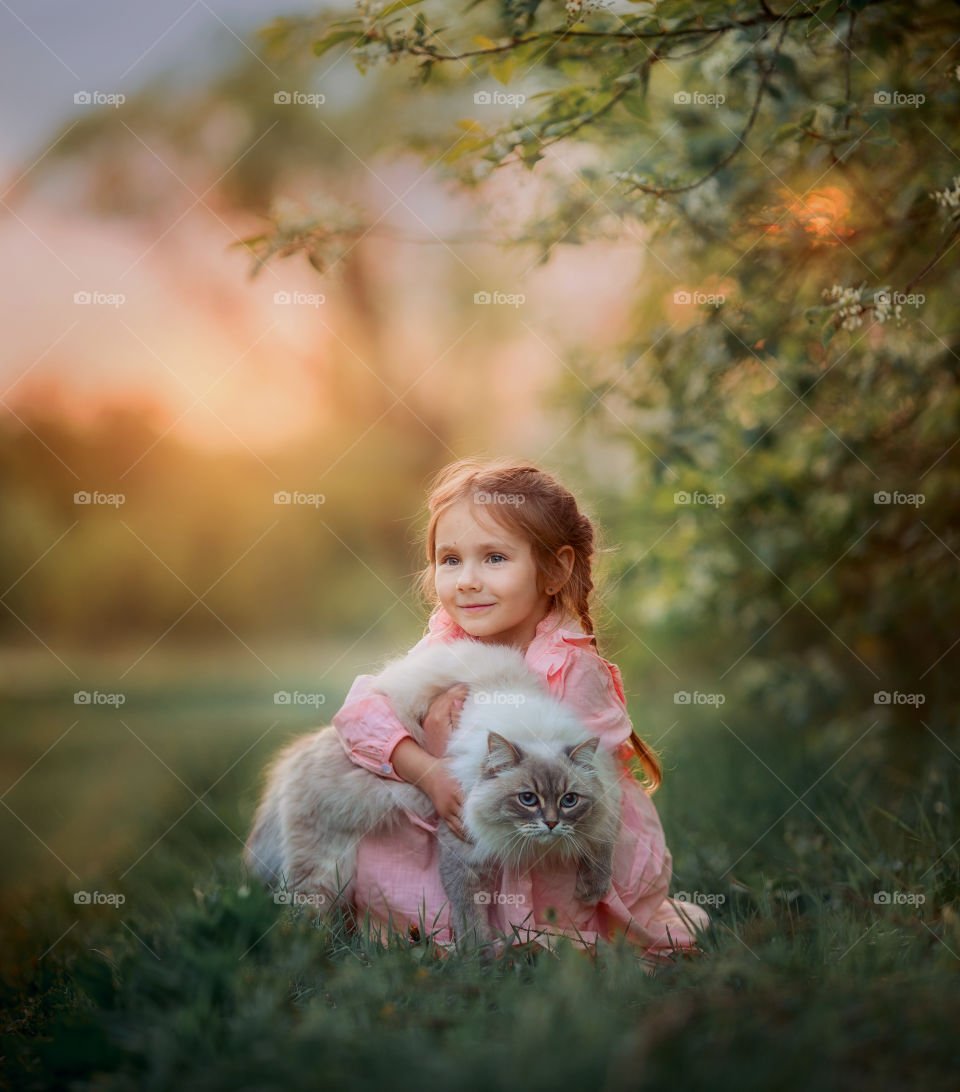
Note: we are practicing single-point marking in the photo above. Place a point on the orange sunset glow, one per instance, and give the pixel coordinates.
(821, 214)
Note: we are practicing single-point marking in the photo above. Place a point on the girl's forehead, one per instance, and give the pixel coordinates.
(468, 522)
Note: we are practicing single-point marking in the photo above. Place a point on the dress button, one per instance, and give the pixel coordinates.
(386, 768)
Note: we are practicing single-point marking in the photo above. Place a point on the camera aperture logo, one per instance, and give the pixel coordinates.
(99, 898)
(99, 98)
(296, 697)
(99, 299)
(695, 697)
(299, 98)
(699, 299)
(898, 98)
(85, 496)
(701, 898)
(899, 898)
(480, 496)
(97, 697)
(496, 697)
(884, 496)
(500, 299)
(498, 898)
(498, 98)
(285, 496)
(299, 898)
(715, 99)
(714, 500)
(301, 299)
(897, 697)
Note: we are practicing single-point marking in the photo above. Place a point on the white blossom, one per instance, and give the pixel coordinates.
(884, 308)
(577, 9)
(848, 305)
(950, 197)
(370, 52)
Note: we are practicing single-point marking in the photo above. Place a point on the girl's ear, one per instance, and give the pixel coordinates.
(565, 559)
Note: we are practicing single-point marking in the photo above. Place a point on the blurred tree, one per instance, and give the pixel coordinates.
(788, 402)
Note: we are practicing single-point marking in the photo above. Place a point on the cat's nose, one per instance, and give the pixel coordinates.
(551, 823)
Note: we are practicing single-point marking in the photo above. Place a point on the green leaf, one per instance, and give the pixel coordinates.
(829, 10)
(530, 153)
(826, 334)
(323, 44)
(637, 106)
(821, 15)
(786, 64)
(397, 5)
(531, 52)
(502, 70)
(787, 132)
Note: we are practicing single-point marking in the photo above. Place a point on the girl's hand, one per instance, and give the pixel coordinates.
(447, 797)
(442, 718)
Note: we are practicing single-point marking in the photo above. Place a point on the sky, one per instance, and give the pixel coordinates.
(99, 310)
(51, 49)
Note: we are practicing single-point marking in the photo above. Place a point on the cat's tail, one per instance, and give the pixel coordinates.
(263, 852)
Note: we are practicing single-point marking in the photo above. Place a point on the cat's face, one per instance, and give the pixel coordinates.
(535, 801)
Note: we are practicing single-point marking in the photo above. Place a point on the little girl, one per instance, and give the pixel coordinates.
(509, 558)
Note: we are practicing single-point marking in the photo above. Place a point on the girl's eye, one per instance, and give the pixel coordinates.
(493, 557)
(528, 799)
(569, 800)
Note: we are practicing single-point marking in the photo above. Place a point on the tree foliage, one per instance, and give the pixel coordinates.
(792, 177)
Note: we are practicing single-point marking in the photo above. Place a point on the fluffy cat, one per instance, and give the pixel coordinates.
(536, 787)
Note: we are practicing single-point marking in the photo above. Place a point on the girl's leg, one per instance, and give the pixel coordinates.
(398, 883)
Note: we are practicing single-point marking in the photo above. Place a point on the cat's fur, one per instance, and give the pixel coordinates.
(512, 738)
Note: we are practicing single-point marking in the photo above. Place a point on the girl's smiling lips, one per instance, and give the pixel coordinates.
(476, 606)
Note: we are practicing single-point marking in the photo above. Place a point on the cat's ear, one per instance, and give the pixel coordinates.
(582, 754)
(501, 753)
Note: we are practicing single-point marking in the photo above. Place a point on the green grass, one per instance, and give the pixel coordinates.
(199, 981)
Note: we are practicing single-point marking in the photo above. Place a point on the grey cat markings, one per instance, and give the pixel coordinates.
(537, 788)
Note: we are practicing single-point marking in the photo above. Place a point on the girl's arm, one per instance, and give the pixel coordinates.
(369, 728)
(430, 774)
(375, 738)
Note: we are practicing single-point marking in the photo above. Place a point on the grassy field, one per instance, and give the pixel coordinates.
(834, 961)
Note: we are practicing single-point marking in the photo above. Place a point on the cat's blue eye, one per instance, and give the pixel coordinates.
(528, 799)
(569, 800)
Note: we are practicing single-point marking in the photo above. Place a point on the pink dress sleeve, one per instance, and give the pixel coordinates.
(369, 728)
(592, 687)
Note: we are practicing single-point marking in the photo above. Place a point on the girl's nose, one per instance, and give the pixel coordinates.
(467, 578)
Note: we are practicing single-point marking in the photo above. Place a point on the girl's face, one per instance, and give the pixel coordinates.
(486, 577)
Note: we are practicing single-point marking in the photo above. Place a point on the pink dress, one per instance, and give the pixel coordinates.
(397, 878)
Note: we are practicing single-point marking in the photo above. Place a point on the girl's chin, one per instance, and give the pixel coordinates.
(477, 627)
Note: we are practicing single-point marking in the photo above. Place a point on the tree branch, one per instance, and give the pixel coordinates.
(664, 191)
(769, 17)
